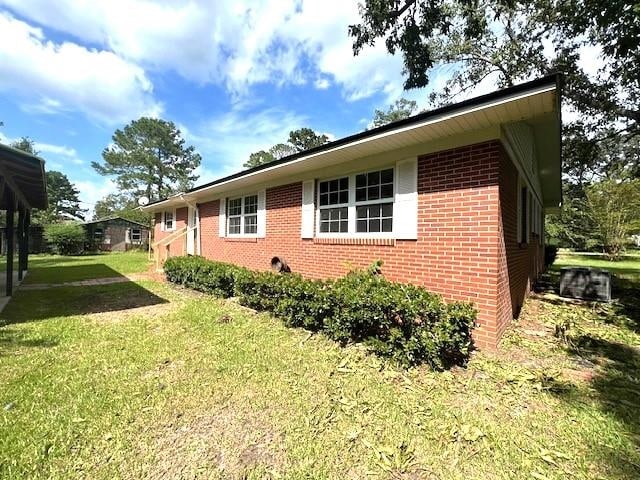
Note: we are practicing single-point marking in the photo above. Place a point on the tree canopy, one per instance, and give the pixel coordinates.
(399, 110)
(150, 157)
(299, 141)
(515, 40)
(120, 205)
(25, 144)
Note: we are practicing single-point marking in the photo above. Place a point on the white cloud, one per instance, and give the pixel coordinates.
(69, 77)
(93, 190)
(236, 43)
(67, 153)
(233, 136)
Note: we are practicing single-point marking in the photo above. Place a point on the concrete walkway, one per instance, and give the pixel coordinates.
(83, 283)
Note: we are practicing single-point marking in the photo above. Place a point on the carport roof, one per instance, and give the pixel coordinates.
(24, 174)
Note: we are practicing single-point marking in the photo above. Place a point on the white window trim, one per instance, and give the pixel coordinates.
(164, 226)
(242, 215)
(131, 234)
(352, 204)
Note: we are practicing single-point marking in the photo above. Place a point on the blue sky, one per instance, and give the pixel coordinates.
(236, 76)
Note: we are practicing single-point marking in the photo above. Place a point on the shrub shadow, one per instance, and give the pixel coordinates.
(11, 340)
(35, 305)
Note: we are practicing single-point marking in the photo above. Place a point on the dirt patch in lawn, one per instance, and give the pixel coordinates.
(229, 443)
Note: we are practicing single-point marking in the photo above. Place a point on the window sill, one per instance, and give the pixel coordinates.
(389, 242)
(241, 239)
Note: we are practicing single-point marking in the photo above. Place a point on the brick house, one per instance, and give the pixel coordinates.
(452, 199)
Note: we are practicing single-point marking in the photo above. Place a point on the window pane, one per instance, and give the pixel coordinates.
(344, 183)
(251, 204)
(361, 194)
(344, 226)
(333, 226)
(234, 225)
(324, 199)
(344, 196)
(344, 212)
(361, 226)
(334, 185)
(386, 176)
(387, 210)
(324, 187)
(235, 206)
(251, 224)
(324, 227)
(361, 212)
(387, 225)
(324, 214)
(333, 198)
(386, 191)
(361, 180)
(373, 178)
(374, 210)
(374, 225)
(373, 193)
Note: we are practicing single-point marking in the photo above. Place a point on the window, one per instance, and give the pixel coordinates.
(360, 203)
(372, 212)
(136, 234)
(242, 217)
(334, 201)
(169, 223)
(97, 234)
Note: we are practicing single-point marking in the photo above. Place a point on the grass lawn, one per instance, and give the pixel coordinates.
(60, 269)
(143, 380)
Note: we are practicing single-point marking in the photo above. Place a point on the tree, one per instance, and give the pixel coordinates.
(26, 145)
(65, 238)
(614, 209)
(401, 109)
(508, 40)
(149, 157)
(299, 140)
(120, 205)
(306, 139)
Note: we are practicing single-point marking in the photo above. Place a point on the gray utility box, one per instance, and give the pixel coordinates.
(585, 283)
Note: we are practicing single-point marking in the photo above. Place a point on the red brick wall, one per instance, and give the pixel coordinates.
(464, 251)
(519, 264)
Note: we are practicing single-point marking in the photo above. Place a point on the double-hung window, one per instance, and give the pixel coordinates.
(168, 220)
(136, 234)
(357, 204)
(374, 201)
(334, 205)
(242, 216)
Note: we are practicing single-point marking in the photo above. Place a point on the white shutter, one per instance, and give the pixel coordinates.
(222, 218)
(308, 209)
(405, 209)
(262, 214)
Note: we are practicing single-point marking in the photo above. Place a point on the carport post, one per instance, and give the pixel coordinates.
(27, 224)
(21, 221)
(10, 241)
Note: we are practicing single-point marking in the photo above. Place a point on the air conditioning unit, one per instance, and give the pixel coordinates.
(585, 284)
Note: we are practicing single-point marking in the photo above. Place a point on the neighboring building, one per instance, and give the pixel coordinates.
(117, 234)
(23, 187)
(452, 199)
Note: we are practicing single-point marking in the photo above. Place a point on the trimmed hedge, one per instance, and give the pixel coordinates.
(403, 322)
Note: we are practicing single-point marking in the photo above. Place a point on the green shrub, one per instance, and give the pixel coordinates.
(65, 238)
(403, 322)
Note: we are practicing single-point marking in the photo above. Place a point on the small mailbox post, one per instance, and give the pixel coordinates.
(585, 284)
